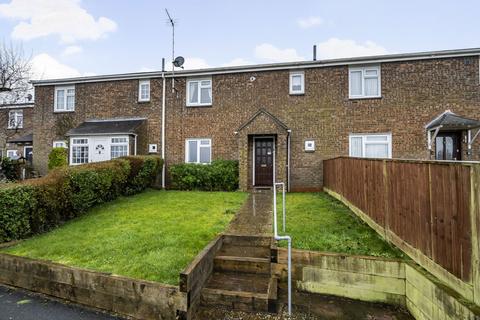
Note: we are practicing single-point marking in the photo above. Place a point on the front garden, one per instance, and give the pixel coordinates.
(152, 236)
(318, 222)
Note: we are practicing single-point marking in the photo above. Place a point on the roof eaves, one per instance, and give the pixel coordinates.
(268, 67)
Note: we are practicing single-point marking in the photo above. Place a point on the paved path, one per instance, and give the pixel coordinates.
(16, 304)
(255, 216)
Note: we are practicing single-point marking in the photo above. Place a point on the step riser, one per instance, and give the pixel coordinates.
(234, 302)
(253, 241)
(242, 266)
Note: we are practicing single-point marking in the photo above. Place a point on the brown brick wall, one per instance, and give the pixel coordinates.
(8, 134)
(100, 100)
(413, 93)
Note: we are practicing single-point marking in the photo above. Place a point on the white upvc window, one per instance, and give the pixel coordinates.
(79, 151)
(12, 154)
(64, 99)
(199, 92)
(15, 119)
(144, 90)
(119, 147)
(198, 151)
(371, 145)
(364, 82)
(59, 144)
(297, 82)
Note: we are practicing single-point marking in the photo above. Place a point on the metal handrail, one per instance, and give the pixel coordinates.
(284, 237)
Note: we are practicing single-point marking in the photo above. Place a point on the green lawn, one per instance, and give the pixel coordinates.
(152, 236)
(319, 222)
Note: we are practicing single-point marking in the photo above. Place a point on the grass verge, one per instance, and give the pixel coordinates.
(152, 236)
(318, 222)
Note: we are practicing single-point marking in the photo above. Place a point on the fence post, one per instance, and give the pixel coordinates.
(386, 222)
(475, 222)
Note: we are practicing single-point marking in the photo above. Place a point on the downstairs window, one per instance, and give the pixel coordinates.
(371, 145)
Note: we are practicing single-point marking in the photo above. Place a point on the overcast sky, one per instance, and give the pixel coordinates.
(86, 37)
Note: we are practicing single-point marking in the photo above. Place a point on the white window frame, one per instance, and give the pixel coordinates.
(199, 97)
(294, 74)
(73, 144)
(56, 108)
(15, 114)
(123, 143)
(187, 152)
(12, 151)
(362, 70)
(365, 143)
(140, 84)
(61, 143)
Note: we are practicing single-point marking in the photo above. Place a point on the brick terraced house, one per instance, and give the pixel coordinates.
(16, 130)
(279, 120)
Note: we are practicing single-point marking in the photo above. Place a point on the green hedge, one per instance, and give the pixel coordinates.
(38, 205)
(57, 158)
(220, 175)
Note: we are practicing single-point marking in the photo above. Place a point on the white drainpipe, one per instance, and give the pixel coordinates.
(163, 123)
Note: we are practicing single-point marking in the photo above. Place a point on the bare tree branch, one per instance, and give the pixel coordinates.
(15, 72)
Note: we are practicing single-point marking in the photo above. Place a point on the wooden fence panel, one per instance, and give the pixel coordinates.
(424, 203)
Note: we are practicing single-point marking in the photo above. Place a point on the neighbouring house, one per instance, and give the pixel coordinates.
(16, 130)
(279, 120)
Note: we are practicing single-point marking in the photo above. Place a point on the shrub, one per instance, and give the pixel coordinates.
(220, 175)
(143, 172)
(58, 157)
(16, 205)
(37, 205)
(10, 168)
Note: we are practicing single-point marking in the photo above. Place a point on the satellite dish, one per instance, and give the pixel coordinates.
(178, 62)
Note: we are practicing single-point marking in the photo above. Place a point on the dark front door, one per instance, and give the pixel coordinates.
(448, 146)
(263, 161)
(28, 154)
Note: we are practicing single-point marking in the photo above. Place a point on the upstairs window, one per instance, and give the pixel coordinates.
(297, 82)
(144, 90)
(64, 99)
(199, 92)
(15, 119)
(198, 151)
(119, 147)
(371, 145)
(364, 82)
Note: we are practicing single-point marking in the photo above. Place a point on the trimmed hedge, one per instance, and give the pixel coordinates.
(37, 205)
(220, 175)
(57, 158)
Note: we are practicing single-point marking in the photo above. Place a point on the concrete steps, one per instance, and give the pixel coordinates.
(242, 278)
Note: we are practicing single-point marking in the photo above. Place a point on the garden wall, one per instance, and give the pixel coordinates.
(128, 297)
(429, 209)
(371, 279)
(356, 277)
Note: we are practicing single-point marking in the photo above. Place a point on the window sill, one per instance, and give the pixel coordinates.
(19, 128)
(199, 105)
(63, 111)
(143, 101)
(363, 98)
(297, 93)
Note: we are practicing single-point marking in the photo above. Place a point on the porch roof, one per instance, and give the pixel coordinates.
(23, 139)
(106, 127)
(451, 121)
